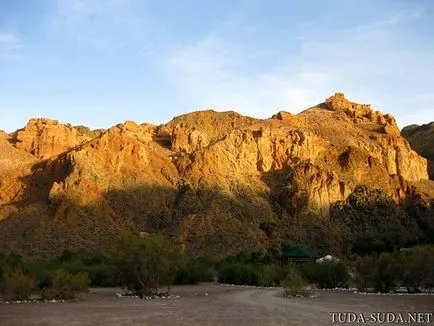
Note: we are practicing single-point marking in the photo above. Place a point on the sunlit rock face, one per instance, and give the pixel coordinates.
(44, 138)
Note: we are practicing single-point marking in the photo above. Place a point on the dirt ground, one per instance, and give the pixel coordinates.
(208, 304)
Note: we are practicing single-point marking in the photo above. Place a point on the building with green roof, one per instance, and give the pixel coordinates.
(298, 255)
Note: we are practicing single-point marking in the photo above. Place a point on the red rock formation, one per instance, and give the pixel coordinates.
(44, 138)
(200, 170)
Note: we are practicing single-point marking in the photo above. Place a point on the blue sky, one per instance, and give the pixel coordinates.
(101, 62)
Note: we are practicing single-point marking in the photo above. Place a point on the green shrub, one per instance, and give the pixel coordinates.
(251, 274)
(294, 285)
(16, 284)
(49, 293)
(388, 272)
(68, 255)
(102, 275)
(145, 264)
(327, 274)
(73, 266)
(268, 275)
(239, 273)
(418, 268)
(193, 271)
(66, 286)
(365, 273)
(98, 267)
(10, 261)
(40, 270)
(413, 269)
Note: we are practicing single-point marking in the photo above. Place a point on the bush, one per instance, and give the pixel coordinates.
(49, 293)
(380, 273)
(268, 275)
(101, 275)
(251, 274)
(145, 264)
(238, 273)
(418, 268)
(388, 272)
(365, 273)
(294, 285)
(413, 269)
(99, 269)
(16, 284)
(66, 286)
(10, 261)
(193, 271)
(40, 270)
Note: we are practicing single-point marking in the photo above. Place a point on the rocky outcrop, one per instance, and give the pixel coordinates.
(197, 130)
(361, 113)
(10, 156)
(123, 156)
(251, 152)
(322, 188)
(349, 124)
(288, 118)
(14, 164)
(338, 102)
(44, 138)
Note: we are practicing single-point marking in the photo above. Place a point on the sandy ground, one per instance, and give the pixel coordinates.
(208, 304)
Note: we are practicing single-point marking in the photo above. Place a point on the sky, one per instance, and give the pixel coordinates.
(101, 62)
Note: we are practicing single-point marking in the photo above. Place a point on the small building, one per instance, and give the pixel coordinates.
(143, 234)
(327, 258)
(298, 255)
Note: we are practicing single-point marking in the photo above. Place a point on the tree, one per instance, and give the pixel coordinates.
(145, 264)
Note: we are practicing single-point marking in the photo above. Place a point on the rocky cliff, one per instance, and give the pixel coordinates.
(421, 139)
(44, 138)
(217, 181)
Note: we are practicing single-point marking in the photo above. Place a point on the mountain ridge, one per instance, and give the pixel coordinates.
(216, 181)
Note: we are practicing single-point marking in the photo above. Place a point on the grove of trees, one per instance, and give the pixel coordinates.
(147, 265)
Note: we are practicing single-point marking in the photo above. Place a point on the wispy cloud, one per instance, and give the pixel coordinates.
(226, 75)
(217, 73)
(8, 38)
(396, 18)
(9, 44)
(101, 24)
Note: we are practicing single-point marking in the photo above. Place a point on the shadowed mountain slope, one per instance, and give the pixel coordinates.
(421, 139)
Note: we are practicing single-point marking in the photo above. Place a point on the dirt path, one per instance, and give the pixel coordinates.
(286, 311)
(316, 310)
(207, 305)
